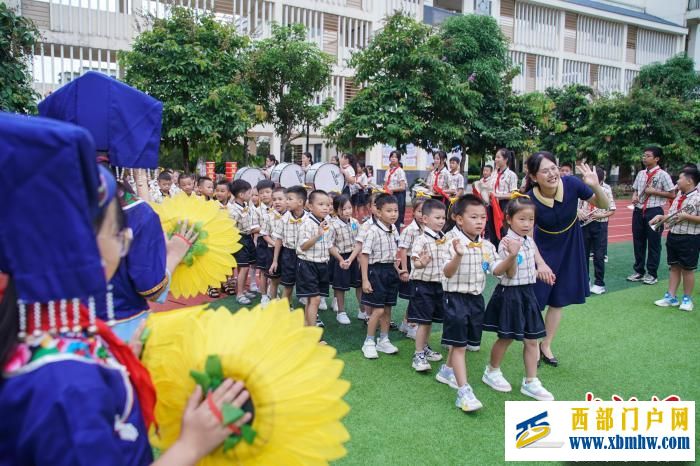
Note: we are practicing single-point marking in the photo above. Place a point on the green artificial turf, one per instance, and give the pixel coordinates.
(617, 343)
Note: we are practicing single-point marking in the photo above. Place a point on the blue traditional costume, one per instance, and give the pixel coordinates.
(559, 239)
(125, 124)
(71, 391)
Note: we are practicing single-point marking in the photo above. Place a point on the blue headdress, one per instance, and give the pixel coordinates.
(51, 191)
(124, 122)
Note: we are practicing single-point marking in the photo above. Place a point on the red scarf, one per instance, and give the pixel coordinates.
(681, 200)
(498, 179)
(436, 188)
(388, 178)
(650, 178)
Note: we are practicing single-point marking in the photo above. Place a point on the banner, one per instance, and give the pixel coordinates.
(409, 159)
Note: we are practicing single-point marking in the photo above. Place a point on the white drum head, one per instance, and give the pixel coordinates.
(325, 176)
(250, 174)
(288, 175)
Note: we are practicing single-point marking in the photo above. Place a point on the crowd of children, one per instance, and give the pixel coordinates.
(309, 242)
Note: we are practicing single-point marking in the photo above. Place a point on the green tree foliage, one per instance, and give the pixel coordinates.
(562, 134)
(411, 94)
(194, 65)
(674, 78)
(17, 36)
(285, 72)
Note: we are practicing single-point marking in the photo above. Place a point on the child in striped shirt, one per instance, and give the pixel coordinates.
(345, 273)
(279, 206)
(263, 254)
(406, 240)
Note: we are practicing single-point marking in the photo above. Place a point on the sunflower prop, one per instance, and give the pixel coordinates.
(209, 261)
(295, 390)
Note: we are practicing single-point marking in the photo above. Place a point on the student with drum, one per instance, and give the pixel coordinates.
(395, 183)
(347, 163)
(270, 163)
(306, 161)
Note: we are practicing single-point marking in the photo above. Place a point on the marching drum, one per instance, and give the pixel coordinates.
(250, 174)
(287, 175)
(325, 176)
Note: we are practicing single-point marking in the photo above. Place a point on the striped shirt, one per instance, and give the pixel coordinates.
(455, 181)
(504, 182)
(344, 234)
(587, 208)
(395, 176)
(381, 243)
(275, 220)
(442, 177)
(436, 246)
(319, 252)
(264, 219)
(526, 273)
(479, 257)
(244, 217)
(364, 229)
(408, 236)
(659, 180)
(287, 230)
(690, 205)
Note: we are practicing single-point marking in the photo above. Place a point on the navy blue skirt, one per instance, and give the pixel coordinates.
(513, 313)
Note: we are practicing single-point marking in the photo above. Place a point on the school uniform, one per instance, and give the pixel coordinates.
(312, 264)
(287, 230)
(683, 241)
(462, 300)
(595, 235)
(438, 183)
(275, 219)
(427, 300)
(381, 246)
(344, 237)
(647, 207)
(406, 239)
(513, 311)
(393, 178)
(455, 182)
(246, 222)
(263, 253)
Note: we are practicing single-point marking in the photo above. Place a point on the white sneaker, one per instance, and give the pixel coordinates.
(385, 346)
(535, 390)
(466, 400)
(473, 349)
(686, 304)
(342, 318)
(323, 306)
(335, 304)
(303, 301)
(420, 364)
(361, 315)
(243, 299)
(432, 356)
(369, 350)
(446, 376)
(265, 300)
(494, 379)
(254, 286)
(649, 280)
(597, 289)
(403, 326)
(411, 331)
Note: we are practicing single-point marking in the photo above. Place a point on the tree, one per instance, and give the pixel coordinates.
(411, 95)
(194, 65)
(674, 78)
(285, 72)
(17, 37)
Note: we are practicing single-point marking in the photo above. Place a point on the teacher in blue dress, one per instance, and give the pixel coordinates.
(561, 263)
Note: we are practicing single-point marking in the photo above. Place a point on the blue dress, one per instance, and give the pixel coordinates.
(69, 409)
(141, 275)
(559, 238)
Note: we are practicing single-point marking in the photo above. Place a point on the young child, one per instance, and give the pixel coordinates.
(455, 180)
(286, 236)
(426, 306)
(165, 182)
(345, 273)
(594, 235)
(186, 183)
(279, 206)
(469, 258)
(206, 187)
(513, 312)
(241, 212)
(363, 312)
(263, 254)
(254, 204)
(380, 276)
(406, 240)
(222, 193)
(313, 252)
(683, 241)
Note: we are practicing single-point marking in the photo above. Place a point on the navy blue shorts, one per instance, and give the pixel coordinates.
(263, 255)
(513, 313)
(246, 255)
(683, 250)
(406, 288)
(312, 279)
(287, 266)
(343, 280)
(426, 304)
(385, 285)
(464, 317)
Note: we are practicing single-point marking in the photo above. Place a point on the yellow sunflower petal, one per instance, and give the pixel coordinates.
(293, 382)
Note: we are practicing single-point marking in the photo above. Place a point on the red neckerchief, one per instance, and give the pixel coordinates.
(498, 179)
(388, 177)
(436, 188)
(650, 178)
(681, 199)
(139, 376)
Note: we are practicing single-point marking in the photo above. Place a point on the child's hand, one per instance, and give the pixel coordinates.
(367, 286)
(403, 275)
(657, 219)
(513, 247)
(322, 228)
(581, 215)
(273, 268)
(425, 257)
(545, 274)
(459, 247)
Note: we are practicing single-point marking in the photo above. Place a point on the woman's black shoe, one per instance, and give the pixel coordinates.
(553, 361)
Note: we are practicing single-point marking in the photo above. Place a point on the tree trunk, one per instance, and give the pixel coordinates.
(185, 156)
(285, 142)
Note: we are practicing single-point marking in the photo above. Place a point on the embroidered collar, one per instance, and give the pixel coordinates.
(548, 201)
(470, 243)
(437, 236)
(386, 229)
